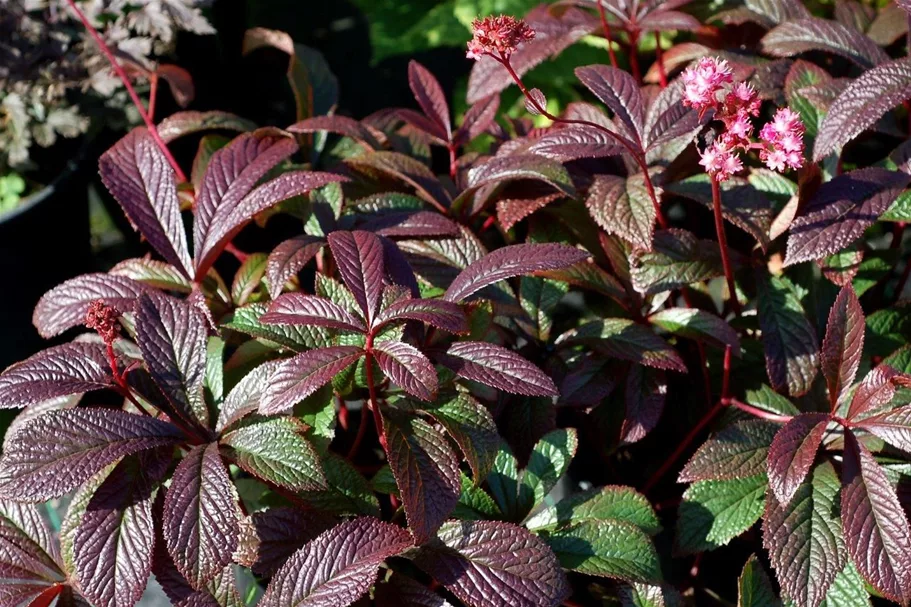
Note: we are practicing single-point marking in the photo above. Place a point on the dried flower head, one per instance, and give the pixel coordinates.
(783, 141)
(103, 319)
(497, 36)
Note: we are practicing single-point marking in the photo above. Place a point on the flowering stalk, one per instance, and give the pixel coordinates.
(606, 27)
(659, 60)
(153, 131)
(723, 244)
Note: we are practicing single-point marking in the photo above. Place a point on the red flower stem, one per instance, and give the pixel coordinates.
(634, 55)
(606, 27)
(637, 155)
(659, 59)
(374, 401)
(723, 244)
(453, 163)
(361, 432)
(760, 413)
(132, 92)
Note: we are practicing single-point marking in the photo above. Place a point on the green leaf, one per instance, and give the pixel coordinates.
(697, 324)
(677, 259)
(348, 492)
(713, 513)
(769, 400)
(900, 210)
(548, 461)
(606, 548)
(738, 451)
(474, 503)
(876, 266)
(275, 451)
(298, 338)
(848, 590)
(318, 412)
(754, 587)
(503, 481)
(627, 340)
(214, 380)
(623, 504)
(647, 595)
(539, 297)
(248, 278)
(887, 330)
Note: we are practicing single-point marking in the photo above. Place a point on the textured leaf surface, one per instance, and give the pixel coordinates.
(606, 503)
(606, 548)
(792, 453)
(275, 451)
(493, 564)
(172, 337)
(502, 169)
(269, 537)
(787, 336)
(876, 530)
(430, 96)
(438, 313)
(27, 548)
(497, 367)
(677, 259)
(297, 378)
(337, 567)
(409, 170)
(644, 397)
(407, 367)
(426, 473)
(298, 338)
(875, 391)
(138, 175)
(862, 103)
(754, 589)
(622, 207)
(893, 426)
(697, 324)
(843, 344)
(57, 452)
(548, 461)
(574, 142)
(359, 256)
(509, 261)
(288, 258)
(64, 306)
(713, 513)
(624, 339)
(813, 34)
(841, 210)
(342, 125)
(738, 451)
(200, 517)
(300, 309)
(804, 538)
(72, 368)
(619, 91)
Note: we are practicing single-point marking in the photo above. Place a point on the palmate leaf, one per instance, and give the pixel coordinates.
(814, 34)
(72, 368)
(497, 367)
(57, 452)
(112, 546)
(310, 310)
(288, 258)
(493, 564)
(172, 337)
(843, 344)
(426, 472)
(624, 339)
(754, 589)
(876, 530)
(430, 96)
(787, 336)
(64, 306)
(804, 538)
(841, 210)
(862, 103)
(407, 368)
(139, 177)
(713, 513)
(359, 256)
(738, 451)
(200, 517)
(337, 567)
(793, 452)
(622, 206)
(297, 378)
(619, 91)
(509, 261)
(275, 451)
(438, 313)
(644, 397)
(606, 548)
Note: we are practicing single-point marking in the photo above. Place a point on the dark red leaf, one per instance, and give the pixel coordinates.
(341, 125)
(509, 261)
(310, 310)
(646, 391)
(893, 426)
(493, 564)
(575, 142)
(179, 81)
(58, 451)
(245, 396)
(792, 453)
(359, 256)
(622, 206)
(337, 567)
(200, 517)
(497, 367)
(409, 170)
(64, 306)
(426, 472)
(876, 530)
(439, 313)
(407, 368)
(875, 391)
(504, 169)
(412, 224)
(430, 96)
(401, 591)
(511, 211)
(72, 368)
(477, 119)
(288, 258)
(841, 210)
(172, 337)
(181, 124)
(668, 118)
(138, 175)
(269, 537)
(627, 340)
(813, 34)
(28, 549)
(843, 344)
(297, 378)
(619, 91)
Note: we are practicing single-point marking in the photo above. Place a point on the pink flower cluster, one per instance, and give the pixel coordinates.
(498, 36)
(709, 85)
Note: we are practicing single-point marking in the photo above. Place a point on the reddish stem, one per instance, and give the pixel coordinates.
(634, 55)
(132, 92)
(606, 27)
(683, 446)
(361, 432)
(47, 597)
(453, 163)
(488, 223)
(760, 413)
(237, 253)
(726, 380)
(723, 244)
(637, 155)
(659, 59)
(374, 401)
(153, 94)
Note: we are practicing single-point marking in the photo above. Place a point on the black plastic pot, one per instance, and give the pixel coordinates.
(42, 243)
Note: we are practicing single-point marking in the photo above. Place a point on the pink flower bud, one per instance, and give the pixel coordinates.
(498, 36)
